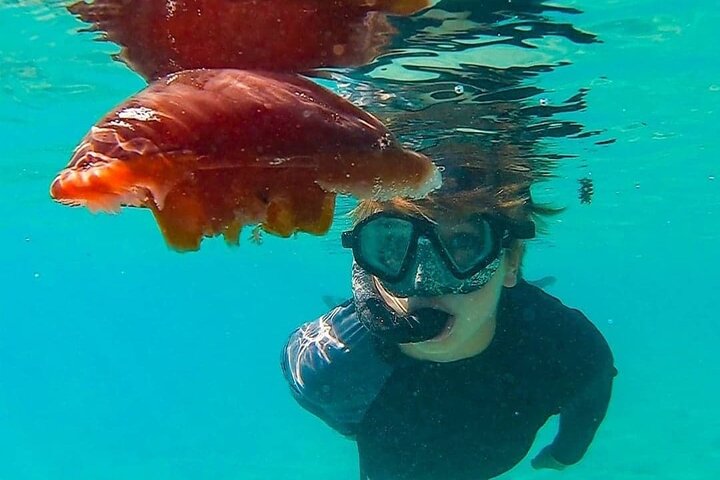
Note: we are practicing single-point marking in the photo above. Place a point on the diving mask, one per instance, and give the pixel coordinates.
(415, 256)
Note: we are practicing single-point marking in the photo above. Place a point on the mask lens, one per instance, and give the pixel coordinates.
(468, 244)
(384, 244)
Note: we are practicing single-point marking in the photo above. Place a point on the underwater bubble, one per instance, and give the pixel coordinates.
(459, 89)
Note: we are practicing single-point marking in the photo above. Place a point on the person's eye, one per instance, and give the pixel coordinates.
(397, 235)
(463, 241)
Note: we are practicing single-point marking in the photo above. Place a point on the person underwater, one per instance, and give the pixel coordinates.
(446, 362)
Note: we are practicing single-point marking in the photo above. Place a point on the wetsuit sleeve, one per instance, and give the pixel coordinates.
(581, 416)
(334, 368)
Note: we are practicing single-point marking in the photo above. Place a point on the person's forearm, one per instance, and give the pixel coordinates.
(580, 419)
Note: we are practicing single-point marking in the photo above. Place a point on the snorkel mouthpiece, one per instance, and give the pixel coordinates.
(418, 326)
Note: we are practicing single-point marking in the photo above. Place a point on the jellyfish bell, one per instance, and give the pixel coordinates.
(210, 151)
(159, 37)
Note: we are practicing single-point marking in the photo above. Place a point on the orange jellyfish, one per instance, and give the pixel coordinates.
(164, 36)
(210, 151)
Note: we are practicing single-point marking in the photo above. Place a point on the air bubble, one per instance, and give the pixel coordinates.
(459, 89)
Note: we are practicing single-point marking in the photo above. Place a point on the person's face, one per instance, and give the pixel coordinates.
(472, 322)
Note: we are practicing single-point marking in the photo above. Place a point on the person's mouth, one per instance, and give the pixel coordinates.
(420, 304)
(446, 330)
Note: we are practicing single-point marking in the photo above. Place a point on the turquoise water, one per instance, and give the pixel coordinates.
(121, 359)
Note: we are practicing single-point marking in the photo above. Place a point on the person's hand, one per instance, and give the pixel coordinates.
(545, 461)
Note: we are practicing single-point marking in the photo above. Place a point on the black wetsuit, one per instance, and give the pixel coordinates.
(471, 419)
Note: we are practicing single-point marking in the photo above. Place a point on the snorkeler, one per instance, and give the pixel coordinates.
(446, 362)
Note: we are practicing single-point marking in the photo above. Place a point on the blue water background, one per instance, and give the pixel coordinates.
(120, 359)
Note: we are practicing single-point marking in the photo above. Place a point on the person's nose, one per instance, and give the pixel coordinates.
(419, 275)
(421, 272)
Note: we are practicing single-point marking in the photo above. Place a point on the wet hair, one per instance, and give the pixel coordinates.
(497, 186)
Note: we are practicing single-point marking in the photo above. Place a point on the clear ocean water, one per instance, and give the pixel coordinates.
(121, 359)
